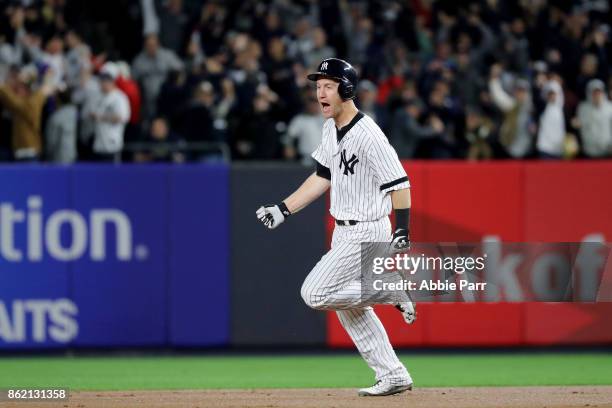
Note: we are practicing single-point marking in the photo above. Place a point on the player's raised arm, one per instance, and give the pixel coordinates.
(272, 215)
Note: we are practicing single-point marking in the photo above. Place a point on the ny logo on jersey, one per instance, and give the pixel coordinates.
(324, 66)
(349, 165)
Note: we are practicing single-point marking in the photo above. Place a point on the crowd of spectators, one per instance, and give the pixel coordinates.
(81, 81)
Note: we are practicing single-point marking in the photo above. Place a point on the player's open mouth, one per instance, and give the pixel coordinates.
(325, 107)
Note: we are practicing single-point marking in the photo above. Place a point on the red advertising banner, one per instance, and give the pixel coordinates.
(512, 202)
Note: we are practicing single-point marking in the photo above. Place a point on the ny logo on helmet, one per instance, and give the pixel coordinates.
(349, 165)
(324, 66)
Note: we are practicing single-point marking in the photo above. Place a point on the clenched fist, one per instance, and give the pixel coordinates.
(273, 215)
(401, 241)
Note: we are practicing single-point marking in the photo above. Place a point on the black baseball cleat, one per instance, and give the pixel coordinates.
(383, 388)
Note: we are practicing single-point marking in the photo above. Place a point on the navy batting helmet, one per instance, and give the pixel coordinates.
(341, 71)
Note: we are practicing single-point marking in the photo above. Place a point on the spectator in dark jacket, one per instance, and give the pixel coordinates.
(258, 136)
(194, 121)
(160, 138)
(281, 78)
(407, 132)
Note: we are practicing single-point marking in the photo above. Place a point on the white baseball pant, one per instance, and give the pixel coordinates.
(335, 284)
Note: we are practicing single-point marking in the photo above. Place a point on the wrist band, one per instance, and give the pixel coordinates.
(284, 209)
(402, 218)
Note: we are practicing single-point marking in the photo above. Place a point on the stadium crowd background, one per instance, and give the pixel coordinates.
(476, 80)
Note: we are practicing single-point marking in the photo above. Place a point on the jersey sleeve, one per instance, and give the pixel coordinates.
(387, 166)
(322, 171)
(321, 154)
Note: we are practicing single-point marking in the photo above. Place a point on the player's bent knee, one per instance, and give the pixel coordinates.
(313, 299)
(307, 297)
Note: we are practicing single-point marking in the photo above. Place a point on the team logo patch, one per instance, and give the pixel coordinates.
(349, 165)
(324, 66)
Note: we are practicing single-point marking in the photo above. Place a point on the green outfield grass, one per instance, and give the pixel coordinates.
(286, 371)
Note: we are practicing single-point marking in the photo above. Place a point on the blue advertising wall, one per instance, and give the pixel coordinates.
(100, 256)
(199, 284)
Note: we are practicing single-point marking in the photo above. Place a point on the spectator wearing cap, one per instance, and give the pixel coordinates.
(110, 115)
(551, 132)
(595, 121)
(516, 135)
(25, 102)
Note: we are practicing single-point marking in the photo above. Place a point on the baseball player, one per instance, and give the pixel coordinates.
(367, 179)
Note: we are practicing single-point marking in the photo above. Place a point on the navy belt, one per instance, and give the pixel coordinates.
(346, 222)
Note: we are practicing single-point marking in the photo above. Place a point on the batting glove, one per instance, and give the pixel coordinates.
(401, 241)
(273, 215)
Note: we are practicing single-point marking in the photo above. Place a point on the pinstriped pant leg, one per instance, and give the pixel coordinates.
(335, 272)
(335, 283)
(370, 337)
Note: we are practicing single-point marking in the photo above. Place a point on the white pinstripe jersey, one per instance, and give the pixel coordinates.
(364, 168)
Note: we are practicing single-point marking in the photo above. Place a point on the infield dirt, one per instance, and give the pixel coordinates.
(465, 397)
